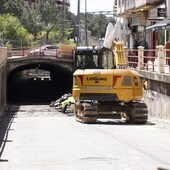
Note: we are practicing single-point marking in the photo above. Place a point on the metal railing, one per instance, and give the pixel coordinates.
(152, 60)
(21, 52)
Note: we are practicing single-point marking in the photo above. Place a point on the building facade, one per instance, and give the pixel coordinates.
(138, 16)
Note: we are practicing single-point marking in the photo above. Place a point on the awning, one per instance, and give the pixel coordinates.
(159, 25)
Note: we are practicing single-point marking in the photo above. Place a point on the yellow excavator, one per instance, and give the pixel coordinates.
(104, 88)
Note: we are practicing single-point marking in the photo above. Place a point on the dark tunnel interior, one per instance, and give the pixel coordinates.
(38, 84)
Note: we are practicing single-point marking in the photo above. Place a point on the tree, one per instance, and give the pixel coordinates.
(12, 29)
(70, 25)
(97, 24)
(2, 7)
(14, 7)
(47, 18)
(32, 21)
(49, 14)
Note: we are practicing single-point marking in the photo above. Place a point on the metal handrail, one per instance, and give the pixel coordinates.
(154, 60)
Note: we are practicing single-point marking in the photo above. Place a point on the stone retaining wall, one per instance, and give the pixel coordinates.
(3, 78)
(158, 104)
(157, 95)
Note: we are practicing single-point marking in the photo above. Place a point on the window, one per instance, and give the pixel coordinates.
(135, 81)
(107, 60)
(127, 81)
(87, 61)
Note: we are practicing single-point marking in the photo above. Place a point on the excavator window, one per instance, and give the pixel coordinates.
(135, 81)
(87, 62)
(93, 57)
(107, 59)
(127, 81)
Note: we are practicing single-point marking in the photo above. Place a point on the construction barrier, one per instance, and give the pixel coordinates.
(66, 51)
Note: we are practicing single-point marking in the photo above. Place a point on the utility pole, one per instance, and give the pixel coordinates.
(78, 23)
(63, 20)
(86, 22)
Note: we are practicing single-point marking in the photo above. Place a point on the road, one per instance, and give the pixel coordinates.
(37, 137)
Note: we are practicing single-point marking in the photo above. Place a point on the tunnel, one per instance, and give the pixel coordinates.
(38, 83)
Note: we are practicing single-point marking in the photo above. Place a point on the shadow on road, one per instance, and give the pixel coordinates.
(121, 122)
(5, 127)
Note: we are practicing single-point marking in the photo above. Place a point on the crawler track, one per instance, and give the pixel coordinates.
(138, 113)
(86, 112)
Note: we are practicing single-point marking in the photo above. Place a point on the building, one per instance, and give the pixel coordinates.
(137, 16)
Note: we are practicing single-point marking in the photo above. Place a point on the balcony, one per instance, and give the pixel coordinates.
(130, 4)
(149, 3)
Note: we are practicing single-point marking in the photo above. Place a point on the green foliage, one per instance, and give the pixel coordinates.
(97, 24)
(2, 2)
(32, 21)
(46, 22)
(14, 7)
(11, 28)
(48, 14)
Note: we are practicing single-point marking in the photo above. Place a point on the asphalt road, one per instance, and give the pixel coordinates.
(40, 138)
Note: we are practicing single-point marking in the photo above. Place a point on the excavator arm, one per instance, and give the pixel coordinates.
(120, 59)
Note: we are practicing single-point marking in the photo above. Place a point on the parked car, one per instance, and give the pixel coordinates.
(50, 50)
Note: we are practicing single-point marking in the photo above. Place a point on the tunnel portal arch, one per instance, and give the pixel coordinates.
(29, 91)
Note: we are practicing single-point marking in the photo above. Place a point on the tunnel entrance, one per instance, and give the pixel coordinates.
(38, 84)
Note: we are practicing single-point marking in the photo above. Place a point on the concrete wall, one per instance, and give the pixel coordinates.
(158, 104)
(157, 96)
(168, 8)
(3, 78)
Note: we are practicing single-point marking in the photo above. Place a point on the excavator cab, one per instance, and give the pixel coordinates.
(93, 57)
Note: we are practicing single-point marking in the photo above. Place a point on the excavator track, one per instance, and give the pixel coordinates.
(138, 113)
(86, 112)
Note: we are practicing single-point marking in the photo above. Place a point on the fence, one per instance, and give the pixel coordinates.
(153, 60)
(22, 52)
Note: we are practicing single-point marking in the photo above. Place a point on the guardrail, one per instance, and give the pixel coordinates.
(63, 51)
(152, 60)
(22, 52)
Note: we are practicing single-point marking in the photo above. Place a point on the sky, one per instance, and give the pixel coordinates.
(92, 5)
